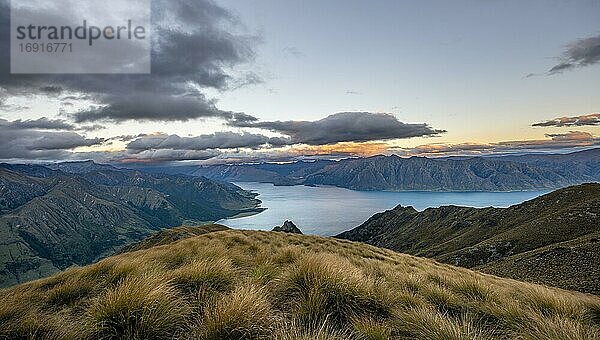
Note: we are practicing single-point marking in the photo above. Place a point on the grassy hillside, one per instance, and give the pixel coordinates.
(551, 239)
(51, 220)
(268, 285)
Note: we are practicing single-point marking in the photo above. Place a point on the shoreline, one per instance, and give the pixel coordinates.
(254, 211)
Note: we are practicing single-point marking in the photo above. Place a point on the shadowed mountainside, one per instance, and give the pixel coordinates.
(50, 220)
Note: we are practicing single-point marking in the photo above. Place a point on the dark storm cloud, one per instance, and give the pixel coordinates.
(166, 155)
(592, 119)
(196, 44)
(44, 123)
(20, 142)
(90, 128)
(345, 127)
(150, 106)
(217, 140)
(41, 124)
(583, 52)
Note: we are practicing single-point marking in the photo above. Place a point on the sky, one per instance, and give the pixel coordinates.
(236, 81)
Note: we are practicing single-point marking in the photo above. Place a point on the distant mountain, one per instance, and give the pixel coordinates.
(50, 220)
(80, 167)
(393, 173)
(419, 173)
(292, 173)
(582, 164)
(552, 239)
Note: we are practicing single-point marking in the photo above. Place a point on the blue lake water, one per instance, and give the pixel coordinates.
(330, 210)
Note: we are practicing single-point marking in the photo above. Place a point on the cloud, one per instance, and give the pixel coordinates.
(45, 123)
(571, 136)
(217, 140)
(41, 124)
(345, 127)
(165, 155)
(196, 45)
(571, 139)
(583, 52)
(591, 119)
(22, 141)
(150, 106)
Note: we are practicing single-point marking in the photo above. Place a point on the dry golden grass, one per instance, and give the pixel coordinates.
(264, 285)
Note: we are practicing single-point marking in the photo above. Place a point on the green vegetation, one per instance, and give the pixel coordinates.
(268, 285)
(51, 220)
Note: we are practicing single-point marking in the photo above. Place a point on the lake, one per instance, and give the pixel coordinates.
(329, 210)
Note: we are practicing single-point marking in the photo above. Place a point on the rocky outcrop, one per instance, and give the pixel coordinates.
(288, 227)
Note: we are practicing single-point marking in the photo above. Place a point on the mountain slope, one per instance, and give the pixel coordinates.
(473, 237)
(418, 173)
(268, 285)
(582, 164)
(277, 173)
(50, 223)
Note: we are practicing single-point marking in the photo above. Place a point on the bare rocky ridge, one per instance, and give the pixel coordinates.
(288, 227)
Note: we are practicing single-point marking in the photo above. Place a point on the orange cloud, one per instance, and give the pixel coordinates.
(364, 149)
(591, 119)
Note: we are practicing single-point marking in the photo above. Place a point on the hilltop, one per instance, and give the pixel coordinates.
(268, 285)
(552, 239)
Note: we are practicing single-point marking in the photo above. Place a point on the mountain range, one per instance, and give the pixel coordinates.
(51, 219)
(552, 239)
(394, 173)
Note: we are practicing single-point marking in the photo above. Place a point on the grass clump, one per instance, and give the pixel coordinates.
(321, 288)
(245, 313)
(548, 303)
(69, 293)
(473, 289)
(201, 276)
(428, 323)
(370, 329)
(138, 308)
(556, 328)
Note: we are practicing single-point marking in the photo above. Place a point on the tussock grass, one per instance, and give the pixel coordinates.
(205, 275)
(556, 328)
(138, 308)
(263, 285)
(371, 329)
(245, 313)
(428, 323)
(69, 292)
(327, 287)
(472, 288)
